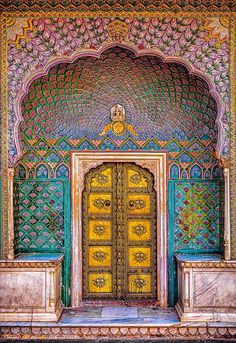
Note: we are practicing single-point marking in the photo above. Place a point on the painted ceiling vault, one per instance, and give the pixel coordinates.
(162, 100)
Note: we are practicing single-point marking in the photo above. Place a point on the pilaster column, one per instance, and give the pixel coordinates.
(232, 188)
(10, 254)
(227, 247)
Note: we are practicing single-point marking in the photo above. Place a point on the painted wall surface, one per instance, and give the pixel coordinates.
(66, 70)
(39, 43)
(167, 109)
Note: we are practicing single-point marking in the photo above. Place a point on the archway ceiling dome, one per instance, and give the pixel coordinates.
(161, 100)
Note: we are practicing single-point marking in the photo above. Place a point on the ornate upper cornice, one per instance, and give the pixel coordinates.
(120, 5)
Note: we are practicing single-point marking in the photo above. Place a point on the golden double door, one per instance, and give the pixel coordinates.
(119, 233)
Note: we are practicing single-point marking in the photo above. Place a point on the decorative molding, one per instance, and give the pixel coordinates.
(194, 331)
(151, 167)
(81, 163)
(4, 135)
(204, 264)
(116, 6)
(227, 238)
(10, 215)
(232, 75)
(28, 264)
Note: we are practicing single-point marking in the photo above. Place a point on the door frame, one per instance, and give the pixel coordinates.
(81, 163)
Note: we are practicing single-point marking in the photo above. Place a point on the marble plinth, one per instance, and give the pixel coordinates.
(30, 288)
(88, 323)
(206, 289)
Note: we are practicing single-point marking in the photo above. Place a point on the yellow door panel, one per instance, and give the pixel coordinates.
(136, 180)
(102, 179)
(138, 203)
(139, 283)
(139, 257)
(119, 233)
(139, 230)
(100, 283)
(99, 256)
(99, 203)
(99, 230)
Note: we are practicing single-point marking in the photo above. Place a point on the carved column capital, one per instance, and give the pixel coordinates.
(225, 162)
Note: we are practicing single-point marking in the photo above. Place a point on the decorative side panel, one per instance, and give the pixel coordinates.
(197, 216)
(195, 222)
(39, 215)
(42, 221)
(18, 286)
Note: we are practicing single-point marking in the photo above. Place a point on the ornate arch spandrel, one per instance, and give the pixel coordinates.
(88, 52)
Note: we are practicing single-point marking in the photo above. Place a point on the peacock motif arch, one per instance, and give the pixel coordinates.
(163, 101)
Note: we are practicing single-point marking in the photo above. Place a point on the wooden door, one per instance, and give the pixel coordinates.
(119, 233)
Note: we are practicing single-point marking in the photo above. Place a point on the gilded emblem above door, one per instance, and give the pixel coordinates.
(118, 125)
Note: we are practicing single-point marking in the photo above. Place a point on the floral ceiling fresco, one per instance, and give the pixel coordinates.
(36, 44)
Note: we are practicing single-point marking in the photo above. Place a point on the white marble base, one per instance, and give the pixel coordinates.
(227, 317)
(206, 289)
(30, 290)
(119, 312)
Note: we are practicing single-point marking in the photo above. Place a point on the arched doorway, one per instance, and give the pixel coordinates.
(152, 165)
(119, 233)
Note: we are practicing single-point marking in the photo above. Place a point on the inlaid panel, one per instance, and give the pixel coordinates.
(99, 230)
(139, 229)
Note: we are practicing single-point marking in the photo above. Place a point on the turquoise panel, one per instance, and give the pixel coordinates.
(195, 222)
(42, 221)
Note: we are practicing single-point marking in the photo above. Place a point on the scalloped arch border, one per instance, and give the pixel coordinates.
(97, 53)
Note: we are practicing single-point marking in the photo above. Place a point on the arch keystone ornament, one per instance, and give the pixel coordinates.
(155, 163)
(118, 125)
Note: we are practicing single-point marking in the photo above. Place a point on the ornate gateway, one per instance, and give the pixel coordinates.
(119, 233)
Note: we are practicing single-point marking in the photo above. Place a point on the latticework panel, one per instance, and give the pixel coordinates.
(197, 216)
(39, 215)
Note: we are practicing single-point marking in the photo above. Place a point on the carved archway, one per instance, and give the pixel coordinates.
(82, 163)
(97, 53)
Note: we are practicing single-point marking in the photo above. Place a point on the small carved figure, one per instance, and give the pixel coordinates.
(118, 125)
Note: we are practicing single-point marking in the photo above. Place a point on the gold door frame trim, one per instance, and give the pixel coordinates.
(81, 163)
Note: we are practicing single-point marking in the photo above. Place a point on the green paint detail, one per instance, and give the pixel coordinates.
(36, 200)
(198, 250)
(67, 246)
(1, 252)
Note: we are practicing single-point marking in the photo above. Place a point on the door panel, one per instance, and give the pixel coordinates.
(139, 230)
(99, 230)
(100, 283)
(119, 238)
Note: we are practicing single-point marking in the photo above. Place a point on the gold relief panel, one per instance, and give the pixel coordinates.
(139, 230)
(136, 179)
(102, 179)
(99, 203)
(100, 283)
(138, 203)
(100, 256)
(139, 283)
(100, 230)
(139, 257)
